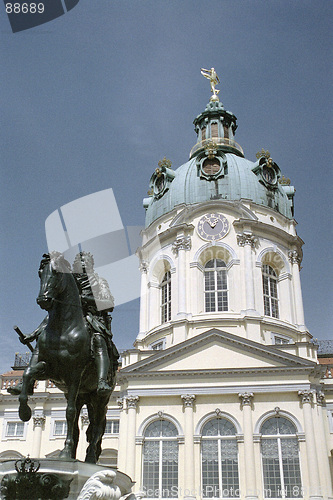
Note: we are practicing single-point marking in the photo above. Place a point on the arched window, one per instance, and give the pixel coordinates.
(160, 459)
(280, 459)
(269, 283)
(166, 298)
(216, 286)
(219, 458)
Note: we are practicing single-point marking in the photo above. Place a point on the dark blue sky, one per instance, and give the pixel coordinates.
(94, 99)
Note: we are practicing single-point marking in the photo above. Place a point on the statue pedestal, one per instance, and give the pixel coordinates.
(83, 479)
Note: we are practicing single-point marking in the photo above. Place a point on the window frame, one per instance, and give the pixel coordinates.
(64, 427)
(166, 306)
(216, 291)
(219, 439)
(270, 277)
(277, 437)
(112, 422)
(10, 418)
(160, 439)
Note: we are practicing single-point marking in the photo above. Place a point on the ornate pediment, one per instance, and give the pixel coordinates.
(220, 352)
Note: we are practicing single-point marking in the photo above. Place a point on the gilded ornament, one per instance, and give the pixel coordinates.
(211, 75)
(284, 181)
(165, 163)
(263, 154)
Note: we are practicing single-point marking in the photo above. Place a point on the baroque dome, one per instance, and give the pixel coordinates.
(217, 170)
(240, 179)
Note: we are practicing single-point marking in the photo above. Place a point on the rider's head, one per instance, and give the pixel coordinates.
(83, 262)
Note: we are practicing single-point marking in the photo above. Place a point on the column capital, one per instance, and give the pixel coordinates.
(181, 243)
(294, 257)
(85, 419)
(246, 398)
(132, 401)
(320, 397)
(247, 238)
(188, 400)
(39, 420)
(306, 396)
(143, 266)
(120, 403)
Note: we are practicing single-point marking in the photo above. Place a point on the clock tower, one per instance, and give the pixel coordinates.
(220, 247)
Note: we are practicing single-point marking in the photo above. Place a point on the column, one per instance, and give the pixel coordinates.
(143, 299)
(39, 421)
(121, 462)
(322, 450)
(251, 492)
(132, 402)
(248, 241)
(306, 398)
(189, 484)
(83, 443)
(180, 245)
(295, 260)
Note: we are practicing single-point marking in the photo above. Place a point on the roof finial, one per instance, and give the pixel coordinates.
(214, 80)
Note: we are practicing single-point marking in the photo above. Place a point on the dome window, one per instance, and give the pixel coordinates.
(211, 166)
(161, 178)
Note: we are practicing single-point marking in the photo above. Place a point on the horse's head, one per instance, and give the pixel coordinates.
(52, 272)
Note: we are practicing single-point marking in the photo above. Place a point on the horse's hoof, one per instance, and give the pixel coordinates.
(15, 390)
(25, 413)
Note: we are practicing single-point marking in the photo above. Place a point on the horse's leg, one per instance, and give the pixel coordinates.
(76, 430)
(71, 413)
(33, 372)
(98, 421)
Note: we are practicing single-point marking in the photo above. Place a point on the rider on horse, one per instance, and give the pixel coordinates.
(97, 301)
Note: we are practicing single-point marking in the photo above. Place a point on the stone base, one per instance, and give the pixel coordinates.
(79, 473)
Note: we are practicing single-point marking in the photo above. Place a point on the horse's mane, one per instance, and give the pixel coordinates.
(58, 260)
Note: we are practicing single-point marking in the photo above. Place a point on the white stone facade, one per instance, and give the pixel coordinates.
(213, 401)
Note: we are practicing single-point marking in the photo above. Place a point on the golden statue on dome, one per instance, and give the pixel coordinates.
(211, 75)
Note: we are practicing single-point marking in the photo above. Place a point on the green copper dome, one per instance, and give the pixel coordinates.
(217, 170)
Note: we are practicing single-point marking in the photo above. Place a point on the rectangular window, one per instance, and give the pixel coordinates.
(60, 428)
(15, 429)
(112, 427)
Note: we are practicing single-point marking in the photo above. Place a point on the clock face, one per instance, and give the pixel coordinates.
(213, 227)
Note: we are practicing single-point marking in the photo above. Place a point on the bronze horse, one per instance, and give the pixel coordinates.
(63, 354)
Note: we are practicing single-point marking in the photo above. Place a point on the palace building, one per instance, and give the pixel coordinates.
(225, 394)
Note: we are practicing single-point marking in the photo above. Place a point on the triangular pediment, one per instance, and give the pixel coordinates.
(216, 350)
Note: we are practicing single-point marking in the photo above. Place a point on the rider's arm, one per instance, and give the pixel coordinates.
(35, 334)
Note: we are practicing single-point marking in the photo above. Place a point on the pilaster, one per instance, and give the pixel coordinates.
(295, 260)
(251, 492)
(179, 247)
(132, 402)
(38, 421)
(248, 241)
(306, 398)
(188, 403)
(143, 299)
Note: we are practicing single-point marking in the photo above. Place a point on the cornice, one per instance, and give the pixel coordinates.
(234, 389)
(262, 229)
(169, 233)
(226, 372)
(191, 211)
(227, 338)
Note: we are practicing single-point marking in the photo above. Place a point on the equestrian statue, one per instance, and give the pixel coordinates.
(74, 347)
